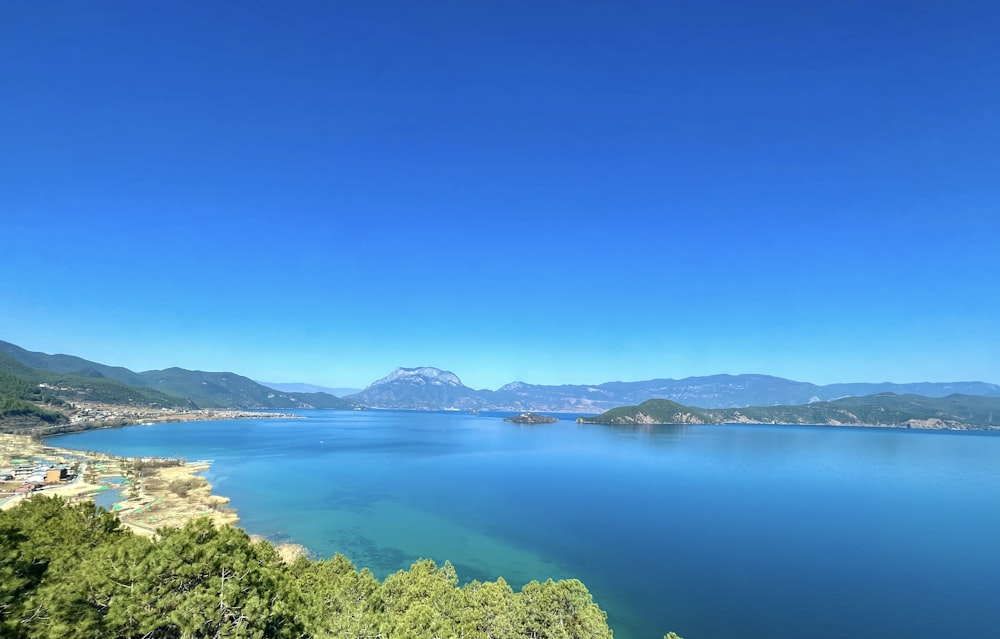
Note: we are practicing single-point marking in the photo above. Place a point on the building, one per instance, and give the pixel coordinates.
(55, 475)
(24, 470)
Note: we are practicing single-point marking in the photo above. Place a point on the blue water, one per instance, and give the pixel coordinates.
(716, 532)
(108, 498)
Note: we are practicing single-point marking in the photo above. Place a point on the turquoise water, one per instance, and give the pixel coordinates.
(716, 532)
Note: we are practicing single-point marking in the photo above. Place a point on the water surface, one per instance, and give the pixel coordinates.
(716, 532)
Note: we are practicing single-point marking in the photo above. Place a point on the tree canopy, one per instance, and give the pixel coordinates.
(74, 572)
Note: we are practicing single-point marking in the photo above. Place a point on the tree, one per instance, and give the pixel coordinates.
(492, 609)
(561, 610)
(337, 600)
(73, 572)
(422, 602)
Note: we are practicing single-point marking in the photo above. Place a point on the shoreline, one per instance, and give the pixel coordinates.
(152, 493)
(161, 492)
(94, 416)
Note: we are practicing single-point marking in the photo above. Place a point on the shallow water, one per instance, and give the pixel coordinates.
(758, 532)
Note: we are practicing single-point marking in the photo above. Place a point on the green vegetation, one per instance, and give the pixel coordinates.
(14, 386)
(884, 409)
(653, 411)
(19, 401)
(74, 572)
(65, 386)
(13, 407)
(172, 387)
(319, 400)
(531, 418)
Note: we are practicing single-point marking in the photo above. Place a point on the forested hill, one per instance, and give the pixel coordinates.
(172, 387)
(964, 412)
(74, 571)
(24, 405)
(38, 385)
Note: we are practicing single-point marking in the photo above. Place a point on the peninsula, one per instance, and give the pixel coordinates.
(955, 412)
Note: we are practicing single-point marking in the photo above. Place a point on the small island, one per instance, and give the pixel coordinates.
(531, 418)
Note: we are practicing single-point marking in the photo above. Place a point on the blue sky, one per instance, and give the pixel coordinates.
(555, 192)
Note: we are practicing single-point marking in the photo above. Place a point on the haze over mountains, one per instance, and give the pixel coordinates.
(428, 388)
(293, 387)
(432, 388)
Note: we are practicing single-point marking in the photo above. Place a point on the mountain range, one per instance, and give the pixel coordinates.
(428, 388)
(293, 387)
(171, 387)
(431, 388)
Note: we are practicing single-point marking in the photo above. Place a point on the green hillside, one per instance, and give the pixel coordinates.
(71, 387)
(885, 409)
(653, 411)
(321, 400)
(69, 364)
(169, 387)
(229, 390)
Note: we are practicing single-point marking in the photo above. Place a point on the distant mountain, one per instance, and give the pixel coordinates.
(429, 388)
(721, 391)
(168, 387)
(962, 412)
(423, 388)
(433, 389)
(309, 388)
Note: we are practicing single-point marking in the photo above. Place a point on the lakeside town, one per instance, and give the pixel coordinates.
(89, 415)
(145, 493)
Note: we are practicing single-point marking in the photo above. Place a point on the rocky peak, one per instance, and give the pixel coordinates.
(513, 386)
(421, 375)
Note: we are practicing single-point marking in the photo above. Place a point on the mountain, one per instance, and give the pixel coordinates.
(429, 388)
(168, 387)
(961, 412)
(70, 364)
(229, 390)
(88, 385)
(424, 388)
(290, 387)
(718, 391)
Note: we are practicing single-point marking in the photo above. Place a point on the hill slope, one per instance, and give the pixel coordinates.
(170, 387)
(964, 412)
(93, 387)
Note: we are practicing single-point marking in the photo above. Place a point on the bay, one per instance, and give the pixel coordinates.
(759, 532)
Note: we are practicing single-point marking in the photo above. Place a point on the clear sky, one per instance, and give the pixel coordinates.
(552, 192)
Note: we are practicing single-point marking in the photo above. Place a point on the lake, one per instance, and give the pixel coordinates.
(715, 532)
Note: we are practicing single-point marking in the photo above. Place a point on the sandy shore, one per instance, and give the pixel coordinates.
(154, 493)
(170, 496)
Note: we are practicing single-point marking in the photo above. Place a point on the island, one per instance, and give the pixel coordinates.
(531, 418)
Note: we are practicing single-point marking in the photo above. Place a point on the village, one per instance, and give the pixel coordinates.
(97, 414)
(145, 493)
